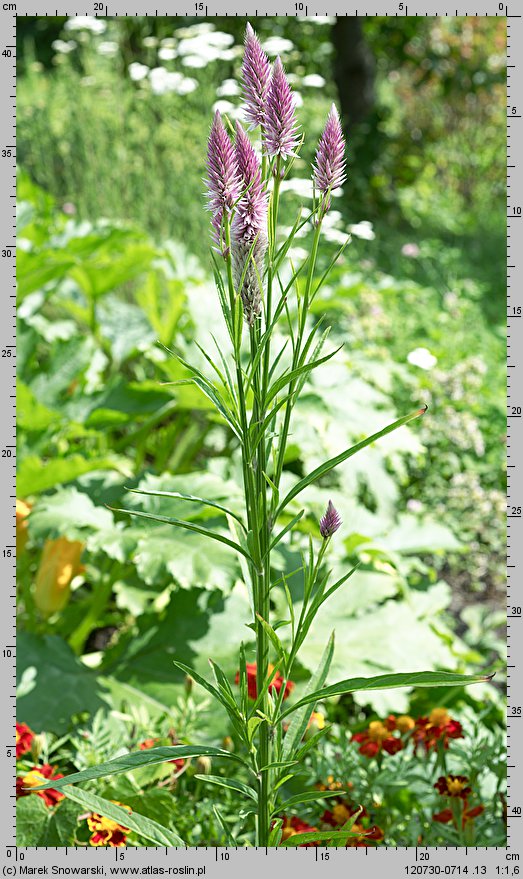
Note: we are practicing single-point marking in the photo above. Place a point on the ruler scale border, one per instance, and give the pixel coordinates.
(230, 862)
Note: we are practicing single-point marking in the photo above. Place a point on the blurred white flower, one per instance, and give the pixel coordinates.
(86, 23)
(297, 254)
(108, 48)
(138, 71)
(336, 236)
(219, 39)
(331, 218)
(226, 108)
(414, 506)
(228, 88)
(303, 187)
(164, 81)
(363, 229)
(313, 81)
(320, 19)
(277, 46)
(63, 47)
(168, 43)
(411, 250)
(167, 54)
(422, 357)
(204, 27)
(298, 100)
(150, 42)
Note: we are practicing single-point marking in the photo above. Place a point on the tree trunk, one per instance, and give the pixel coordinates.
(353, 70)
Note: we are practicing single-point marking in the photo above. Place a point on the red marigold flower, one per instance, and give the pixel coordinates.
(24, 739)
(446, 816)
(453, 786)
(340, 813)
(36, 776)
(150, 743)
(363, 840)
(276, 684)
(294, 825)
(377, 738)
(107, 831)
(437, 727)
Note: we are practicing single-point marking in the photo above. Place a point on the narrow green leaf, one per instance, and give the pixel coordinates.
(144, 826)
(348, 453)
(189, 526)
(276, 833)
(316, 836)
(221, 821)
(232, 784)
(390, 681)
(137, 760)
(299, 722)
(273, 638)
(306, 797)
(189, 497)
(284, 531)
(225, 699)
(290, 377)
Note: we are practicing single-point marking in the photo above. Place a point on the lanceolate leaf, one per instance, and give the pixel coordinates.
(317, 836)
(136, 760)
(299, 722)
(232, 784)
(348, 453)
(144, 826)
(190, 526)
(389, 681)
(188, 497)
(306, 797)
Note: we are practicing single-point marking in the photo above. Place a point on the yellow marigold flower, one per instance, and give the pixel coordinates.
(439, 716)
(340, 814)
(22, 512)
(60, 562)
(405, 723)
(107, 831)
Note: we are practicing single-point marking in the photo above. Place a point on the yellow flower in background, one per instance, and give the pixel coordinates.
(60, 562)
(22, 512)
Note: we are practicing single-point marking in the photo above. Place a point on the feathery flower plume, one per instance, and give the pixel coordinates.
(223, 180)
(280, 118)
(256, 77)
(249, 227)
(329, 167)
(330, 522)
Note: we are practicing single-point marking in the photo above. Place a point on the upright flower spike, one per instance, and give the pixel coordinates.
(249, 228)
(330, 522)
(280, 120)
(256, 78)
(329, 166)
(223, 179)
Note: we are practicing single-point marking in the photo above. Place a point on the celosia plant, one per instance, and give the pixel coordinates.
(255, 386)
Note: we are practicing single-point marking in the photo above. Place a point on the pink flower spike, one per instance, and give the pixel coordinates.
(330, 522)
(223, 179)
(256, 77)
(249, 228)
(280, 119)
(329, 166)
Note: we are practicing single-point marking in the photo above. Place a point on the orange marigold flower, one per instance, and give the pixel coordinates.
(377, 738)
(60, 562)
(24, 739)
(437, 727)
(107, 831)
(294, 825)
(150, 743)
(22, 512)
(276, 684)
(36, 776)
(453, 786)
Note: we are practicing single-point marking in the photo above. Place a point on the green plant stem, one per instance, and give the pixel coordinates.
(296, 357)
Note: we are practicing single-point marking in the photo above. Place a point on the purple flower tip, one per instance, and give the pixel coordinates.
(223, 178)
(330, 522)
(256, 77)
(280, 119)
(329, 166)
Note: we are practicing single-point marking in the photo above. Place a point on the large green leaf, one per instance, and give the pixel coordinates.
(388, 681)
(34, 475)
(231, 784)
(53, 684)
(136, 760)
(144, 826)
